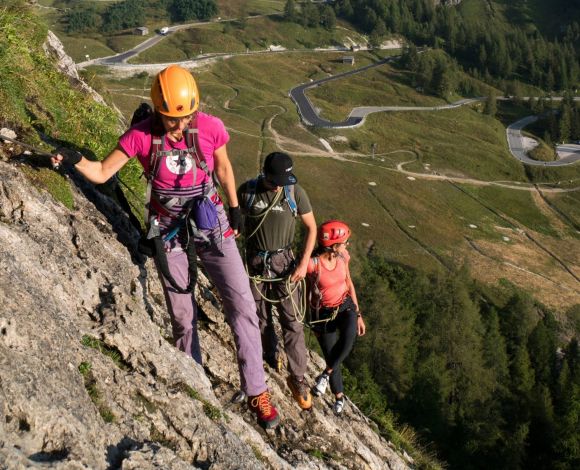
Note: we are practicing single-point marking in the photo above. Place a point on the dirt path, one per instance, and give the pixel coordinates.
(290, 145)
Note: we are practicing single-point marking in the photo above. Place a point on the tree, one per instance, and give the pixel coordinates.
(567, 444)
(491, 104)
(575, 129)
(327, 18)
(185, 10)
(542, 349)
(343, 9)
(410, 57)
(123, 15)
(494, 350)
(290, 10)
(442, 81)
(377, 35)
(83, 19)
(565, 126)
(517, 319)
(369, 19)
(310, 15)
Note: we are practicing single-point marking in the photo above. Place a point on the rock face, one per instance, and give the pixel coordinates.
(89, 379)
(54, 48)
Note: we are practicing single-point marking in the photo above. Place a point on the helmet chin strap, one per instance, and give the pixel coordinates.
(176, 136)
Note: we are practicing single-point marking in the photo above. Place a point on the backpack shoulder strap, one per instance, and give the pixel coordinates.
(192, 142)
(154, 157)
(289, 193)
(251, 187)
(316, 261)
(314, 299)
(341, 257)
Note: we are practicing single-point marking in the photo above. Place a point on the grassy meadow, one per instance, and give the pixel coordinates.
(422, 223)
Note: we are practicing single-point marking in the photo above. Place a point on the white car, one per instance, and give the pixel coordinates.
(164, 30)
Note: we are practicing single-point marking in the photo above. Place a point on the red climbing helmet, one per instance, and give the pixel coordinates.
(332, 232)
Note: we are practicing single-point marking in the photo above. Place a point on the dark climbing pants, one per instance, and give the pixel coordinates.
(336, 339)
(279, 265)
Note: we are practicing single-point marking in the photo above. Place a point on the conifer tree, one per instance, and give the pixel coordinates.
(442, 80)
(344, 9)
(542, 349)
(491, 104)
(310, 15)
(494, 350)
(327, 18)
(565, 125)
(410, 57)
(290, 10)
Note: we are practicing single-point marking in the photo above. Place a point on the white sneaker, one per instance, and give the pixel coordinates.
(321, 384)
(338, 406)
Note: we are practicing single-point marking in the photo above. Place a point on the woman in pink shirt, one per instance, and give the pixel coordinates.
(334, 305)
(182, 151)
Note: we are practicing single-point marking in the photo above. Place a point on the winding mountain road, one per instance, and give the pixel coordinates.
(515, 141)
(570, 153)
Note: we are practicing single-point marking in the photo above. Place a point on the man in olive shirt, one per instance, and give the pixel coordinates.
(271, 204)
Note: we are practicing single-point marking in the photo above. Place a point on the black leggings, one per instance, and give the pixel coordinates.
(336, 339)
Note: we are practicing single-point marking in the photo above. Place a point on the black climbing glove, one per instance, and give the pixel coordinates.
(72, 157)
(235, 216)
(146, 246)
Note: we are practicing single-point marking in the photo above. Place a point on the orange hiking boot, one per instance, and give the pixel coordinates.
(266, 412)
(300, 392)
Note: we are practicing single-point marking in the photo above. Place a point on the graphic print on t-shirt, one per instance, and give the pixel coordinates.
(262, 205)
(179, 164)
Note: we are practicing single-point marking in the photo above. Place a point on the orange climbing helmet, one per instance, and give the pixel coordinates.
(174, 92)
(332, 232)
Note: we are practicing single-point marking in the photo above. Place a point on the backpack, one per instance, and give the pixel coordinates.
(288, 195)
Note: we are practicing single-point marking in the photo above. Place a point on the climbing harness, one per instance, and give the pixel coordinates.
(197, 212)
(299, 308)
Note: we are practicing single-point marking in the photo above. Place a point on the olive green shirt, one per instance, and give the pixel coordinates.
(277, 230)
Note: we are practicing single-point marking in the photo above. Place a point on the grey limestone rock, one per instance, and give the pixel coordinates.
(89, 377)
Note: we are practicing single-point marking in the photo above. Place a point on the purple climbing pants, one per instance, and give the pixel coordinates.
(229, 276)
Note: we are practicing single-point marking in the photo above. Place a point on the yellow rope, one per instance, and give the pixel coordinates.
(262, 215)
(299, 308)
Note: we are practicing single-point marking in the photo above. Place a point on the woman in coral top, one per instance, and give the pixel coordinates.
(336, 317)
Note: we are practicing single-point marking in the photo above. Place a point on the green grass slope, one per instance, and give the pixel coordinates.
(424, 223)
(427, 224)
(38, 102)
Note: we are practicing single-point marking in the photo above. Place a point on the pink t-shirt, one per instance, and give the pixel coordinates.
(136, 142)
(332, 284)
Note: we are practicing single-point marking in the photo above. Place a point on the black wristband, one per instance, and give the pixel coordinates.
(72, 157)
(235, 216)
